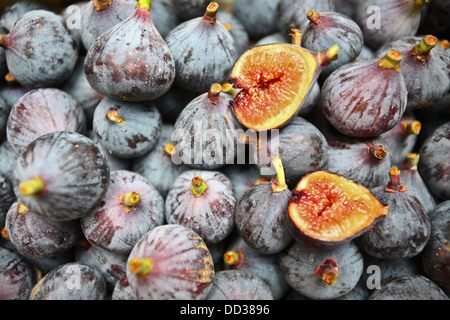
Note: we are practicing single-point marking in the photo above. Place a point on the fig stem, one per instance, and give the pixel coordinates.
(113, 115)
(144, 4)
(4, 233)
(130, 201)
(232, 258)
(3, 40)
(411, 161)
(21, 208)
(411, 127)
(260, 180)
(9, 78)
(423, 48)
(296, 36)
(214, 93)
(32, 187)
(445, 44)
(328, 272)
(169, 149)
(327, 57)
(391, 60)
(102, 4)
(198, 186)
(211, 12)
(313, 17)
(378, 152)
(228, 89)
(141, 266)
(278, 184)
(421, 3)
(394, 184)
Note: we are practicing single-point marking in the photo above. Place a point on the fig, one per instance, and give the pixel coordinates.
(242, 177)
(173, 102)
(3, 63)
(189, 9)
(324, 29)
(4, 114)
(365, 98)
(383, 21)
(9, 157)
(114, 163)
(16, 10)
(275, 81)
(260, 216)
(204, 51)
(171, 262)
(40, 50)
(206, 132)
(405, 231)
(61, 176)
(327, 209)
(276, 37)
(322, 274)
(129, 209)
(127, 129)
(132, 68)
(7, 197)
(203, 201)
(122, 290)
(42, 111)
(237, 30)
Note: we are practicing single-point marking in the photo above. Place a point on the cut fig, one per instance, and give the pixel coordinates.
(275, 80)
(328, 209)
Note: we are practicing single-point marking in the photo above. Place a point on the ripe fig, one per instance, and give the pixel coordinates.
(328, 209)
(114, 163)
(4, 114)
(262, 208)
(173, 102)
(204, 51)
(129, 209)
(383, 21)
(189, 9)
(365, 98)
(16, 10)
(203, 201)
(61, 176)
(276, 37)
(404, 232)
(7, 197)
(164, 16)
(237, 30)
(43, 111)
(171, 262)
(40, 50)
(137, 68)
(122, 290)
(9, 157)
(243, 177)
(275, 81)
(3, 63)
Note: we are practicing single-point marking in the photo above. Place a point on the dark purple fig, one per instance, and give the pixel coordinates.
(72, 18)
(189, 9)
(164, 16)
(402, 138)
(311, 102)
(43, 111)
(239, 285)
(71, 281)
(367, 53)
(322, 274)
(61, 176)
(7, 197)
(173, 102)
(365, 98)
(206, 132)
(243, 177)
(293, 14)
(11, 92)
(122, 290)
(276, 37)
(204, 51)
(80, 89)
(359, 292)
(40, 50)
(416, 184)
(158, 167)
(112, 266)
(114, 163)
(237, 30)
(4, 114)
(171, 262)
(260, 216)
(16, 10)
(45, 265)
(259, 17)
(409, 287)
(37, 237)
(131, 68)
(383, 21)
(365, 161)
(129, 209)
(239, 256)
(16, 276)
(98, 16)
(325, 29)
(434, 166)
(9, 157)
(436, 256)
(203, 201)
(127, 129)
(346, 7)
(405, 231)
(3, 64)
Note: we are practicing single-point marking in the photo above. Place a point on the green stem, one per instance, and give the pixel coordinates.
(391, 60)
(421, 3)
(378, 152)
(211, 12)
(313, 17)
(198, 186)
(412, 160)
(32, 187)
(144, 4)
(327, 57)
(130, 201)
(296, 37)
(102, 4)
(214, 93)
(411, 127)
(278, 184)
(3, 41)
(141, 266)
(114, 116)
(232, 258)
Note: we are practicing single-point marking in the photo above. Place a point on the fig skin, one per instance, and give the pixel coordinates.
(363, 99)
(122, 290)
(7, 197)
(242, 177)
(298, 264)
(139, 68)
(237, 30)
(16, 10)
(182, 266)
(9, 157)
(189, 9)
(40, 51)
(435, 258)
(3, 63)
(43, 111)
(74, 172)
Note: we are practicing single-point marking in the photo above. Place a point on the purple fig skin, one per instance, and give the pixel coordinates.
(242, 177)
(114, 163)
(111, 227)
(434, 164)
(164, 16)
(4, 114)
(71, 281)
(7, 197)
(182, 266)
(173, 102)
(40, 51)
(237, 30)
(74, 171)
(11, 92)
(211, 214)
(3, 63)
(95, 22)
(362, 99)
(17, 10)
(43, 111)
(239, 285)
(189, 9)
(16, 276)
(9, 157)
(276, 37)
(137, 68)
(123, 291)
(37, 237)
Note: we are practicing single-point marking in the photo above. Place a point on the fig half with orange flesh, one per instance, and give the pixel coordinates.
(275, 80)
(328, 209)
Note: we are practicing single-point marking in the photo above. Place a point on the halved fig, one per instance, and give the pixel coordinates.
(328, 209)
(275, 80)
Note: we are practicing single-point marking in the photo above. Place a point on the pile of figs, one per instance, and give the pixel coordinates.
(229, 150)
